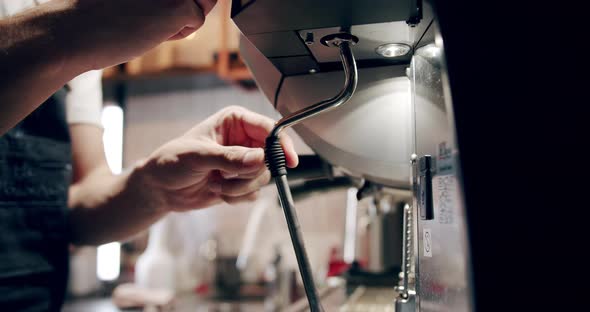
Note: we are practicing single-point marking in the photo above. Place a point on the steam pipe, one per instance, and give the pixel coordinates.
(345, 94)
(276, 162)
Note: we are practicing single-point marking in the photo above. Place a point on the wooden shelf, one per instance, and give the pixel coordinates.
(162, 62)
(238, 75)
(166, 73)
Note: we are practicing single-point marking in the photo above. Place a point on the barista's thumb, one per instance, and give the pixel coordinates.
(235, 159)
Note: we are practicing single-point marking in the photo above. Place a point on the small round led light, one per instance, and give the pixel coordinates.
(393, 49)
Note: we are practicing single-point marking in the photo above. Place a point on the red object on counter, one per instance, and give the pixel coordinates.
(202, 289)
(336, 266)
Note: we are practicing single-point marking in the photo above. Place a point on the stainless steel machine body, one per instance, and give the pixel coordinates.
(397, 131)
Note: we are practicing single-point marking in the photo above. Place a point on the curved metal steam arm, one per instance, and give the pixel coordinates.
(275, 160)
(345, 94)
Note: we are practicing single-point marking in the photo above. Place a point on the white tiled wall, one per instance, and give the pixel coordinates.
(151, 120)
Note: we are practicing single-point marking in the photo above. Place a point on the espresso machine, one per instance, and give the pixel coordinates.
(374, 88)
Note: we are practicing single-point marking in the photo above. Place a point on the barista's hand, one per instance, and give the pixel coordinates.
(112, 32)
(220, 159)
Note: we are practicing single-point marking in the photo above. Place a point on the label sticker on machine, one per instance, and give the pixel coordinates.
(445, 160)
(444, 197)
(427, 242)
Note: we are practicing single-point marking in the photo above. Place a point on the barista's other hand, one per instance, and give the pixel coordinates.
(117, 31)
(220, 159)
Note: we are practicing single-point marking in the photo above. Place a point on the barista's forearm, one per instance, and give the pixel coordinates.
(106, 208)
(33, 54)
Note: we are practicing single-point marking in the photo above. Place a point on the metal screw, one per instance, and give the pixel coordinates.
(335, 40)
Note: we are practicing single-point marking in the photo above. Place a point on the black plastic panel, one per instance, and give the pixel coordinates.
(285, 43)
(294, 65)
(264, 16)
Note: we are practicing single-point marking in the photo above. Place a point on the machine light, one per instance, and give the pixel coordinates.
(390, 50)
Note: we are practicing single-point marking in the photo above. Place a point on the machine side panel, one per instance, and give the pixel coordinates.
(443, 282)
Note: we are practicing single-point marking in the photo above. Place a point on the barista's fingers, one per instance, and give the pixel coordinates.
(228, 159)
(251, 175)
(228, 175)
(239, 187)
(248, 175)
(183, 201)
(183, 33)
(238, 199)
(257, 127)
(290, 154)
(206, 5)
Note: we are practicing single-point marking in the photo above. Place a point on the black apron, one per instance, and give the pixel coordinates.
(35, 173)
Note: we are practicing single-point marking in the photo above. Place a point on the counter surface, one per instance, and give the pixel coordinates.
(334, 299)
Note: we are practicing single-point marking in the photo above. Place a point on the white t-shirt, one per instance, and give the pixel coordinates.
(84, 101)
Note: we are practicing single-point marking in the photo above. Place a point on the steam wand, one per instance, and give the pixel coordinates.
(275, 157)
